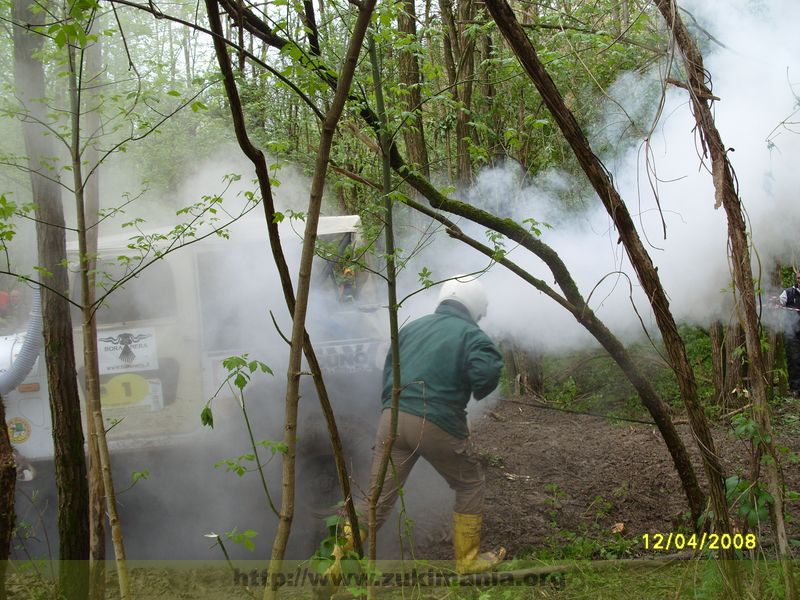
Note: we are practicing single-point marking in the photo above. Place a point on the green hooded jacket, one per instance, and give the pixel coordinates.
(444, 359)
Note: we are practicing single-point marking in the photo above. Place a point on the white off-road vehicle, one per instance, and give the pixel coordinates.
(163, 336)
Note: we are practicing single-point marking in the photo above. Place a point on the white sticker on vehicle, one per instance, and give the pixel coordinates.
(121, 351)
(347, 357)
(130, 389)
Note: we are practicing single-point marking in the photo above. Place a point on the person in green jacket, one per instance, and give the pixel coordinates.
(445, 359)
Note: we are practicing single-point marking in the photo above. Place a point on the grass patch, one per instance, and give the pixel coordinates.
(599, 580)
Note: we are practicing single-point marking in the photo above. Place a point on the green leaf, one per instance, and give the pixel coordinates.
(197, 106)
(60, 38)
(274, 446)
(232, 363)
(206, 417)
(175, 93)
(425, 277)
(43, 271)
(137, 475)
(332, 521)
(240, 381)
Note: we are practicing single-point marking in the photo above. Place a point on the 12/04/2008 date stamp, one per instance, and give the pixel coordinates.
(665, 542)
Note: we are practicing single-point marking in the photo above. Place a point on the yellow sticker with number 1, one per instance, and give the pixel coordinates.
(126, 388)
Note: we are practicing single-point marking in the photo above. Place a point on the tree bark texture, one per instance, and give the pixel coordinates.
(735, 365)
(91, 191)
(8, 481)
(70, 463)
(460, 66)
(637, 254)
(530, 371)
(408, 68)
(524, 369)
(391, 280)
(728, 363)
(94, 410)
(727, 197)
(716, 338)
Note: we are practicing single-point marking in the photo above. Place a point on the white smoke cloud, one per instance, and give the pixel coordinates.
(752, 75)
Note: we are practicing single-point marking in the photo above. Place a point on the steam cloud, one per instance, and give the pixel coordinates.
(753, 74)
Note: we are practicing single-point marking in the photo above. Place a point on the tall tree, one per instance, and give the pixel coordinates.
(727, 196)
(459, 60)
(70, 462)
(90, 187)
(640, 260)
(256, 156)
(87, 234)
(408, 66)
(8, 477)
(298, 337)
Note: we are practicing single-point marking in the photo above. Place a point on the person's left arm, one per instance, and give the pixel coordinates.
(484, 364)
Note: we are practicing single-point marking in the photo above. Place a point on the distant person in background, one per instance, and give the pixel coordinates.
(790, 298)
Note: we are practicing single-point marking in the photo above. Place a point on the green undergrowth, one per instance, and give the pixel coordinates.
(610, 579)
(591, 381)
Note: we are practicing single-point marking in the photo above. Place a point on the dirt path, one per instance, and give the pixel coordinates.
(553, 477)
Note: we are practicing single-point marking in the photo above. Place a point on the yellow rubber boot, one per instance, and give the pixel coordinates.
(339, 551)
(467, 544)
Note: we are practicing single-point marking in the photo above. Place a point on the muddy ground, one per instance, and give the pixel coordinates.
(552, 476)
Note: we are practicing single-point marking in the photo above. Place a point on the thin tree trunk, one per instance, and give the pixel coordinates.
(391, 279)
(8, 481)
(460, 66)
(717, 339)
(408, 67)
(89, 329)
(735, 367)
(642, 264)
(70, 463)
(187, 56)
(728, 198)
(97, 496)
(489, 92)
(259, 161)
(303, 288)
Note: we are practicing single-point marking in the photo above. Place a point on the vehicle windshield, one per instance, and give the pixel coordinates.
(147, 296)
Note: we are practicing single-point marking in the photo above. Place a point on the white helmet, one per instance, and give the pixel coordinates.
(467, 291)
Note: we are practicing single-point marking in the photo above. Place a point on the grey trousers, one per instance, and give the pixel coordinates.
(452, 457)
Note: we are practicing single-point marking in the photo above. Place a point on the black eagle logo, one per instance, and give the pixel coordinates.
(125, 340)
